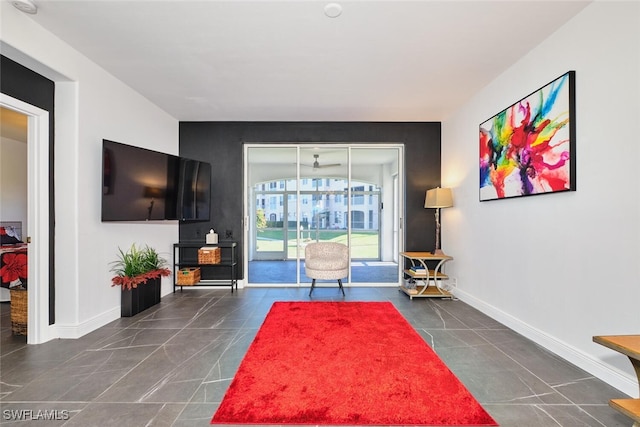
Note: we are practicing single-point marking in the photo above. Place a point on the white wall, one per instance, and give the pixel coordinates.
(560, 268)
(90, 105)
(13, 181)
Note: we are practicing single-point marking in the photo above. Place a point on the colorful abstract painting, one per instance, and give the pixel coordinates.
(529, 148)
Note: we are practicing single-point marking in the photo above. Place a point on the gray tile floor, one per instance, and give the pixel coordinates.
(171, 365)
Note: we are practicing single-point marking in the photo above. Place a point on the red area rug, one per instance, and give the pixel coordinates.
(355, 363)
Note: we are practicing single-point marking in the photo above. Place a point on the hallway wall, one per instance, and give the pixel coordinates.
(560, 268)
(90, 105)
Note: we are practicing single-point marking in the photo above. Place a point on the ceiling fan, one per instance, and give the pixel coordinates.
(317, 165)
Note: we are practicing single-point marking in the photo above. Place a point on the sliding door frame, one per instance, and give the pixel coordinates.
(396, 187)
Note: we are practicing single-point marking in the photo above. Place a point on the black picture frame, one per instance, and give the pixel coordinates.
(529, 148)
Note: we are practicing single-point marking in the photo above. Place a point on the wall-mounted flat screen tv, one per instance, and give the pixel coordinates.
(145, 185)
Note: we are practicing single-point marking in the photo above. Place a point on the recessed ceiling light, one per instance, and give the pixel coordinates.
(333, 10)
(26, 6)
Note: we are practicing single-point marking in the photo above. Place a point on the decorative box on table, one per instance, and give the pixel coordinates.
(188, 276)
(209, 255)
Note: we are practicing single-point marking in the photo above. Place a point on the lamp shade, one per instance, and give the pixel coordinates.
(153, 192)
(438, 198)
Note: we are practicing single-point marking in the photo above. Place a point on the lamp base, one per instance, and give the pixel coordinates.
(438, 252)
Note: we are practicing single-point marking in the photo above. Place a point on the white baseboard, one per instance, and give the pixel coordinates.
(72, 331)
(612, 376)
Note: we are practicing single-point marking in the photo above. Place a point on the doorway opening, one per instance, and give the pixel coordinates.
(297, 194)
(37, 216)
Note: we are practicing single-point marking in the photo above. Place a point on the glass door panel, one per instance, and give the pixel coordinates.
(373, 251)
(271, 229)
(269, 172)
(323, 197)
(323, 189)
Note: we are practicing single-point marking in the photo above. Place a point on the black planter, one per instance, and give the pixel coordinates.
(136, 300)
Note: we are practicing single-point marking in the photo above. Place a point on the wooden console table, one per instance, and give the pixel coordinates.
(629, 345)
(427, 268)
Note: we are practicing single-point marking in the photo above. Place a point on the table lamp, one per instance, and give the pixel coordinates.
(152, 193)
(438, 198)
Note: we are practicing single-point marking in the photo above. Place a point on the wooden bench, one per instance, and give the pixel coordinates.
(629, 345)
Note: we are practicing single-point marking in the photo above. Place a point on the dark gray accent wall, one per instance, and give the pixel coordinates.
(28, 86)
(221, 144)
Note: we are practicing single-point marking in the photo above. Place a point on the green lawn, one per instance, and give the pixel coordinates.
(364, 244)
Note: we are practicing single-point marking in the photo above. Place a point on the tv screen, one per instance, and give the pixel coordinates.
(145, 185)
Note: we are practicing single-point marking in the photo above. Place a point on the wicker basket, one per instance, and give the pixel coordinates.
(19, 310)
(188, 276)
(209, 255)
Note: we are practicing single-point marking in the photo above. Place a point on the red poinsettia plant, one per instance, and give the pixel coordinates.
(13, 270)
(136, 266)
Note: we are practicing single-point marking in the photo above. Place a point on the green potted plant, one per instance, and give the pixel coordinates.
(138, 272)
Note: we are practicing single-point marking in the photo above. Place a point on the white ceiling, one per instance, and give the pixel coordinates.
(286, 61)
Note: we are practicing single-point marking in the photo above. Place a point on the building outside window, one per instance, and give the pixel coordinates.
(327, 204)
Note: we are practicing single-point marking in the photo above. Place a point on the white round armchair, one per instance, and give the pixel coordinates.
(326, 261)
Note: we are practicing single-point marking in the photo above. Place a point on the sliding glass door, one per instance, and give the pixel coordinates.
(296, 194)
(270, 210)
